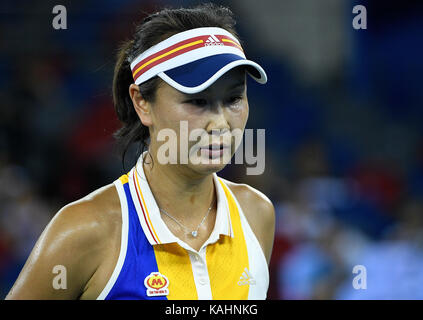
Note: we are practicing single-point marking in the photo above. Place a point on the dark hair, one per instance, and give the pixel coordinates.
(152, 30)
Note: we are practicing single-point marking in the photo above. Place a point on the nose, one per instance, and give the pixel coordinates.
(217, 120)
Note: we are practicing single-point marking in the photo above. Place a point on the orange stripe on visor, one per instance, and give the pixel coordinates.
(169, 52)
(186, 49)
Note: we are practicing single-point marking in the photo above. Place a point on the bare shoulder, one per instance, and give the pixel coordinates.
(259, 211)
(76, 238)
(96, 214)
(88, 220)
(250, 196)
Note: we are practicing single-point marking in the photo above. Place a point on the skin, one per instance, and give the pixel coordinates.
(84, 236)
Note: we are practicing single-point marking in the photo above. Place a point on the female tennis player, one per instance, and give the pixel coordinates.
(166, 230)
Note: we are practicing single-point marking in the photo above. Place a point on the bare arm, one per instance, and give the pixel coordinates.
(65, 256)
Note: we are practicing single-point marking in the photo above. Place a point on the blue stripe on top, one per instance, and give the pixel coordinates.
(140, 261)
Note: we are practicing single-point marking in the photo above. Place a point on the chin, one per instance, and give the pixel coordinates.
(207, 166)
(206, 169)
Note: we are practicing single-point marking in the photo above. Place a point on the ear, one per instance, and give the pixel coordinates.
(142, 107)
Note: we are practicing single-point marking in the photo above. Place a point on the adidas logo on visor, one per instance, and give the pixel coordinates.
(213, 41)
(188, 47)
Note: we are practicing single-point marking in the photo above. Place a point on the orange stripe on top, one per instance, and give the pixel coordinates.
(228, 258)
(150, 225)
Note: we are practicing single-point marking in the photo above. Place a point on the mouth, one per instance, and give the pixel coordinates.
(214, 150)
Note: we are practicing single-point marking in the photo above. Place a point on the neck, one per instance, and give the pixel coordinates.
(178, 190)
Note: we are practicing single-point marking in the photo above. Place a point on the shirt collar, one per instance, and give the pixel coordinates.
(150, 219)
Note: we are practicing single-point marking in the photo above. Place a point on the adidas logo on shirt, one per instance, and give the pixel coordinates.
(246, 278)
(213, 41)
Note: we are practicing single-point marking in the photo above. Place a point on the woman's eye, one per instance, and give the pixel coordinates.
(234, 99)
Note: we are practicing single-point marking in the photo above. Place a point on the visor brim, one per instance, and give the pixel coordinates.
(198, 75)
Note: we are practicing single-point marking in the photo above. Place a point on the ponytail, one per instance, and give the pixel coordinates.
(132, 130)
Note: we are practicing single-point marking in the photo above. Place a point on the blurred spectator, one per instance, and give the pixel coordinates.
(23, 215)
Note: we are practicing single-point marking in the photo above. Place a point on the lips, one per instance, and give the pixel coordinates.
(215, 146)
(214, 150)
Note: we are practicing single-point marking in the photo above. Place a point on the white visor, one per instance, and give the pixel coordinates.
(193, 60)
